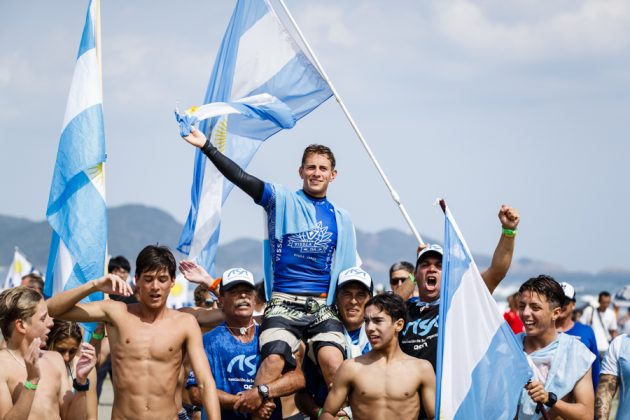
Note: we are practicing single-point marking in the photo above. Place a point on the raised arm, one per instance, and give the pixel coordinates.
(502, 258)
(201, 368)
(66, 305)
(339, 391)
(251, 185)
(606, 390)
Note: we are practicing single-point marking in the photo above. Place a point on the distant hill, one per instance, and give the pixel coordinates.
(131, 227)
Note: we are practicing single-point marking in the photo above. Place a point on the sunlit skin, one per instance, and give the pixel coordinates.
(238, 305)
(429, 277)
(350, 301)
(539, 319)
(154, 287)
(68, 348)
(398, 278)
(40, 324)
(317, 173)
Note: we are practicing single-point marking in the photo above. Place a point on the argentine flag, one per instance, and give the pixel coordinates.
(257, 56)
(76, 205)
(481, 368)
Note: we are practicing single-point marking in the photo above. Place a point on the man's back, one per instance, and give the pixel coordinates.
(146, 360)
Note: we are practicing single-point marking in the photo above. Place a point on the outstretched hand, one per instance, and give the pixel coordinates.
(113, 285)
(195, 273)
(509, 217)
(86, 362)
(196, 137)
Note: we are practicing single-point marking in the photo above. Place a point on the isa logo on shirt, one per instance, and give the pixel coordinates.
(243, 362)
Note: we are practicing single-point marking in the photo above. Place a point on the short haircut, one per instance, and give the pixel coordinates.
(200, 294)
(401, 265)
(603, 294)
(319, 149)
(260, 292)
(390, 303)
(36, 278)
(17, 303)
(62, 330)
(155, 258)
(545, 286)
(117, 263)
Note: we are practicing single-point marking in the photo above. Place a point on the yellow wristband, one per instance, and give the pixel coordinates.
(29, 385)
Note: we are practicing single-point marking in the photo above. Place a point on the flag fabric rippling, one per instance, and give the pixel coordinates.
(18, 269)
(481, 368)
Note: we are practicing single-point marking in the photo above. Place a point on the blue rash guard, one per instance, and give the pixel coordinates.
(302, 261)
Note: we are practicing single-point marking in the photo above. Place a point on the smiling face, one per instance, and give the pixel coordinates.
(429, 276)
(238, 302)
(154, 287)
(350, 301)
(316, 173)
(538, 316)
(380, 328)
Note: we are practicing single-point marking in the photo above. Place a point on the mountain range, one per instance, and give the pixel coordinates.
(131, 227)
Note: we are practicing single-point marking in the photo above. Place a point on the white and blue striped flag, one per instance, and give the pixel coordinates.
(258, 55)
(76, 206)
(481, 368)
(20, 266)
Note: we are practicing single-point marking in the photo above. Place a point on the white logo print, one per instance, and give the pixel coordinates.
(315, 240)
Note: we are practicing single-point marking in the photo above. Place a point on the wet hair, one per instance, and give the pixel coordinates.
(603, 294)
(200, 294)
(401, 265)
(545, 286)
(36, 278)
(62, 330)
(390, 303)
(319, 149)
(155, 258)
(17, 303)
(117, 263)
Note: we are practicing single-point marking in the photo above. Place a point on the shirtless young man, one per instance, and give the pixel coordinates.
(147, 340)
(34, 383)
(384, 383)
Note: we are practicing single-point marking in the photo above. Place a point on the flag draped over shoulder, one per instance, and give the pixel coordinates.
(481, 368)
(76, 206)
(257, 56)
(18, 269)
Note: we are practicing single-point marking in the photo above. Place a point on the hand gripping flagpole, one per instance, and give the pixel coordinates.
(393, 192)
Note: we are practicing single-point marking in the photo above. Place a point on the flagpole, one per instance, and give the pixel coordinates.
(394, 194)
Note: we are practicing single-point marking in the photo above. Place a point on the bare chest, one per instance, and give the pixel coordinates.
(137, 340)
(393, 385)
(47, 395)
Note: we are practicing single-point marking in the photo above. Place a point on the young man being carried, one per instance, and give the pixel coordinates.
(384, 383)
(310, 242)
(147, 340)
(34, 384)
(561, 363)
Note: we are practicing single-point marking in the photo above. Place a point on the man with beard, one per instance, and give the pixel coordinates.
(34, 383)
(384, 383)
(148, 341)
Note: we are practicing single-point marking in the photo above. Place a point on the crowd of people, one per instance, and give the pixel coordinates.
(314, 340)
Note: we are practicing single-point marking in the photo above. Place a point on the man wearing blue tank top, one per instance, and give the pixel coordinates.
(310, 242)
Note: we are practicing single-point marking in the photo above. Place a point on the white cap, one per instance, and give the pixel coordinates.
(569, 291)
(236, 276)
(431, 248)
(355, 274)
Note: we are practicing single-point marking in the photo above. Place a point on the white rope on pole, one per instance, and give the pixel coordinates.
(394, 194)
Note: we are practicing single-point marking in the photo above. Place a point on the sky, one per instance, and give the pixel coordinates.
(479, 102)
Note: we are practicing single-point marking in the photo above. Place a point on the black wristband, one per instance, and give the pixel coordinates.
(552, 399)
(81, 388)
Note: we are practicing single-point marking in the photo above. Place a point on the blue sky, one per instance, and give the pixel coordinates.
(482, 103)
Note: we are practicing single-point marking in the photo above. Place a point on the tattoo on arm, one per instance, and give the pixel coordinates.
(605, 393)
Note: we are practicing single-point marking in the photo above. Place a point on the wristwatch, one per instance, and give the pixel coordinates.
(264, 391)
(81, 387)
(552, 399)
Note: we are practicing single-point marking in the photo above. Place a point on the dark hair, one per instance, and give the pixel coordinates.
(603, 294)
(260, 292)
(117, 263)
(62, 330)
(155, 258)
(401, 265)
(546, 286)
(319, 149)
(392, 304)
(17, 303)
(35, 278)
(200, 294)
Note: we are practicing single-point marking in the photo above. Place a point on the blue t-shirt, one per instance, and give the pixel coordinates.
(233, 364)
(587, 337)
(302, 261)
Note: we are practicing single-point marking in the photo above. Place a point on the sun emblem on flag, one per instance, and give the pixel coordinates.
(219, 134)
(96, 174)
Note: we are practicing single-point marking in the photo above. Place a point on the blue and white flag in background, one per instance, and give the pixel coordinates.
(76, 205)
(257, 55)
(20, 267)
(481, 368)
